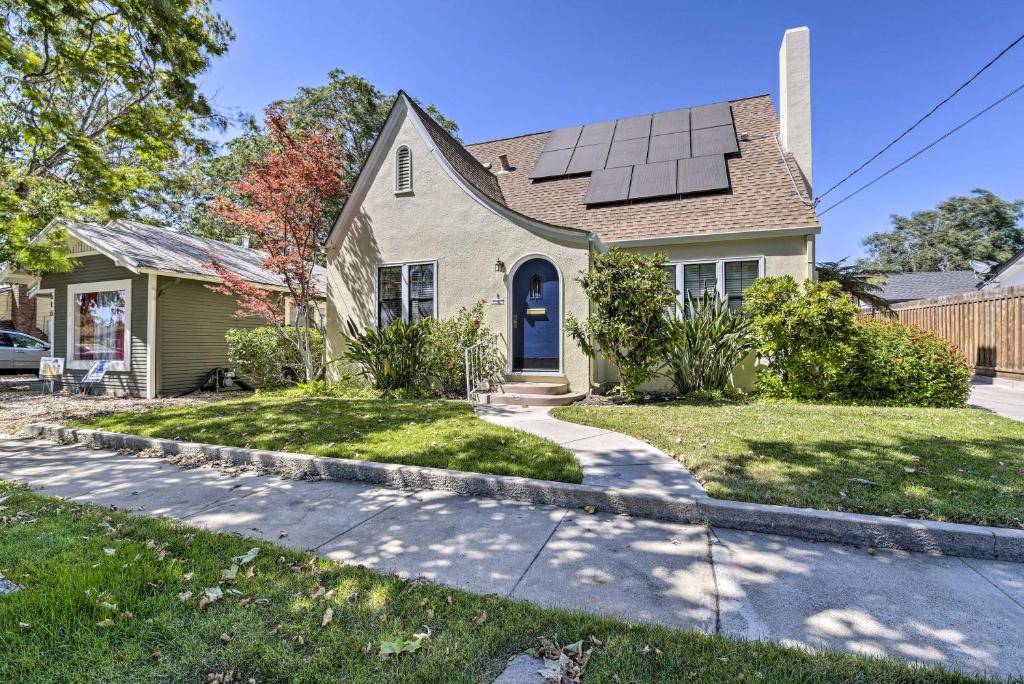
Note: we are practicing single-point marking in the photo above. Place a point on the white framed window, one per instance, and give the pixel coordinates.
(99, 324)
(406, 292)
(729, 278)
(403, 170)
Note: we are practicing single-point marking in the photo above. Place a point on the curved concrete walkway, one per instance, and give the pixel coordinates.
(609, 459)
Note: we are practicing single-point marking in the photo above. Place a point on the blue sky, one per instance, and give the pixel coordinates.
(503, 69)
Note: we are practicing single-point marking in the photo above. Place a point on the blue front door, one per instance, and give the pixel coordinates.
(536, 319)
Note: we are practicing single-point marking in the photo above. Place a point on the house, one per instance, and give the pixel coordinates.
(19, 310)
(138, 297)
(906, 287)
(1008, 274)
(433, 225)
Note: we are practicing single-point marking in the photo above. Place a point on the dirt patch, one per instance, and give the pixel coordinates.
(19, 408)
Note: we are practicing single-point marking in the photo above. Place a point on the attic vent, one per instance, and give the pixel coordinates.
(403, 170)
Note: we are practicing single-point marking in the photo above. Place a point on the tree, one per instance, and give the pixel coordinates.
(866, 287)
(629, 295)
(284, 202)
(946, 238)
(99, 99)
(352, 111)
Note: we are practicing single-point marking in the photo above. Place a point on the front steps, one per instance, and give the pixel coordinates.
(554, 393)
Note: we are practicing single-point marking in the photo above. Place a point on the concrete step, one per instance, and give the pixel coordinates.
(535, 387)
(509, 399)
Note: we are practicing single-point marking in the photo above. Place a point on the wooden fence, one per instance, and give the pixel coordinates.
(988, 326)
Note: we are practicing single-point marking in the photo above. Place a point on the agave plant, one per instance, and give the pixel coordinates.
(392, 358)
(706, 344)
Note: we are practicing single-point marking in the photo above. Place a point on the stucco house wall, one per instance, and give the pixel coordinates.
(439, 221)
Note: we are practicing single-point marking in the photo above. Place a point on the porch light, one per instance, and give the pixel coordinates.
(499, 266)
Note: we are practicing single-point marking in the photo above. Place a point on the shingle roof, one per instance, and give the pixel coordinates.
(905, 287)
(762, 196)
(152, 247)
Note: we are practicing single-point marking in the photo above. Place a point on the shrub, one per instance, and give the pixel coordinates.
(447, 342)
(628, 293)
(908, 366)
(806, 336)
(706, 344)
(265, 356)
(393, 358)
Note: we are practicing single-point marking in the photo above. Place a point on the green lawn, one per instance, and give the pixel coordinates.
(439, 434)
(959, 465)
(110, 597)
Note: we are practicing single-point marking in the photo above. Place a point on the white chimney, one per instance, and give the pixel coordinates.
(795, 96)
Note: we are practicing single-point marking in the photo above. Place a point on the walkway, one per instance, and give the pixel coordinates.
(609, 459)
(1004, 399)
(959, 613)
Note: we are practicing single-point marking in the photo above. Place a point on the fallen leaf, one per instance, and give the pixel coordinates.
(211, 595)
(298, 639)
(225, 638)
(229, 574)
(590, 509)
(187, 577)
(24, 626)
(105, 623)
(479, 619)
(328, 616)
(155, 654)
(248, 557)
(423, 602)
(109, 551)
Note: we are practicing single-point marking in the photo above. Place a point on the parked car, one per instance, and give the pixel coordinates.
(21, 352)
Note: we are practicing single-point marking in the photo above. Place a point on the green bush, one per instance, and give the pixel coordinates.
(628, 293)
(807, 336)
(262, 355)
(447, 342)
(394, 358)
(907, 366)
(706, 344)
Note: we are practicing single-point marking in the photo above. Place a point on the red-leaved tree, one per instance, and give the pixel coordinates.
(282, 203)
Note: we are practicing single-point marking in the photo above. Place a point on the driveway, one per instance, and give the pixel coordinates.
(1003, 399)
(966, 614)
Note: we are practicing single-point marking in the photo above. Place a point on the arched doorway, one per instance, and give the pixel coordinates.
(536, 317)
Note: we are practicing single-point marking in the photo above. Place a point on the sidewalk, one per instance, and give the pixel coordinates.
(998, 398)
(938, 610)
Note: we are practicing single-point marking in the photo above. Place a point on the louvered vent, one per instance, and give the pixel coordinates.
(403, 173)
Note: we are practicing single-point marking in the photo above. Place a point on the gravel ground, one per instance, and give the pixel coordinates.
(19, 407)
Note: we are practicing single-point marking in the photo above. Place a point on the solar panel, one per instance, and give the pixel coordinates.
(551, 164)
(627, 153)
(717, 140)
(676, 121)
(653, 180)
(609, 185)
(669, 147)
(563, 138)
(701, 174)
(634, 127)
(597, 133)
(710, 115)
(587, 158)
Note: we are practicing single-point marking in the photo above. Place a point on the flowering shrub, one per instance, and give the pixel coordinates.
(447, 342)
(906, 365)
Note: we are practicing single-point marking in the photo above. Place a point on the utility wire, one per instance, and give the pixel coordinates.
(927, 147)
(918, 122)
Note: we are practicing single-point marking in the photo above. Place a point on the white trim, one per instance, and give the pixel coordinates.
(151, 379)
(52, 294)
(715, 237)
(719, 274)
(99, 286)
(404, 265)
(509, 285)
(399, 190)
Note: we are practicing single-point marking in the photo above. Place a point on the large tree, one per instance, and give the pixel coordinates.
(99, 102)
(348, 107)
(981, 226)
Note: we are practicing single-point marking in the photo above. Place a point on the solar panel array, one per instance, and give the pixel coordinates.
(656, 155)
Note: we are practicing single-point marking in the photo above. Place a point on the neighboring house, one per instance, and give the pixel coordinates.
(1008, 274)
(433, 225)
(906, 287)
(138, 297)
(19, 310)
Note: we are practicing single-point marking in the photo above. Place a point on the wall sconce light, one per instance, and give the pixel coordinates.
(499, 266)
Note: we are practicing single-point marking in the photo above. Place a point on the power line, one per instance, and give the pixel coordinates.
(927, 147)
(918, 122)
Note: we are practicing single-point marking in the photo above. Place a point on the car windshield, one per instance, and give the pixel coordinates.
(26, 342)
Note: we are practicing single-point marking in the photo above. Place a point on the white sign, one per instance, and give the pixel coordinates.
(51, 367)
(96, 373)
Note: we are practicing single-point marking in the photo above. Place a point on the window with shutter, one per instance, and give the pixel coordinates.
(739, 275)
(403, 170)
(406, 292)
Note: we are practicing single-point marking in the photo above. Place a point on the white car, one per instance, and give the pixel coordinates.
(21, 352)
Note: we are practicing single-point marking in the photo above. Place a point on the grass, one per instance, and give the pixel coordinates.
(958, 465)
(438, 434)
(101, 603)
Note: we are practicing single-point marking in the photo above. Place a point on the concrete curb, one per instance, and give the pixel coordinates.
(922, 536)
